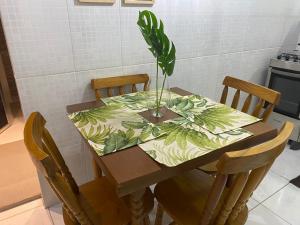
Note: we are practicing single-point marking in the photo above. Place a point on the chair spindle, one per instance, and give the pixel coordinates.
(224, 95)
(236, 99)
(247, 104)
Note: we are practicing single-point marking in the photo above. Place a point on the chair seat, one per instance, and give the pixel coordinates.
(184, 197)
(103, 206)
(101, 203)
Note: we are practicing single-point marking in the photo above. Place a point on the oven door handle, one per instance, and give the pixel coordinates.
(284, 73)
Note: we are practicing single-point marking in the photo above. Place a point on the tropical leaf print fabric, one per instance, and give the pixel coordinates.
(215, 117)
(184, 140)
(141, 101)
(108, 129)
(201, 127)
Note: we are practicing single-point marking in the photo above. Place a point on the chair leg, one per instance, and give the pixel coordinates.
(230, 180)
(68, 218)
(146, 220)
(159, 215)
(97, 170)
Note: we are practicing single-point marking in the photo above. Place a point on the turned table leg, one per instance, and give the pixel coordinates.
(137, 208)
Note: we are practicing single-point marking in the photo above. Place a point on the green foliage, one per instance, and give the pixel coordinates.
(93, 116)
(219, 116)
(172, 156)
(119, 140)
(184, 135)
(134, 124)
(147, 129)
(159, 44)
(183, 104)
(97, 135)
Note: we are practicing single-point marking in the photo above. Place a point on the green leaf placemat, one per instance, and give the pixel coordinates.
(213, 116)
(140, 101)
(112, 128)
(183, 140)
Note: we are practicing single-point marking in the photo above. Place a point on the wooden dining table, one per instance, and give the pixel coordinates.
(131, 170)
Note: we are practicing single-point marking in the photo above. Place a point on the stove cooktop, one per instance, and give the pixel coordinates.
(290, 57)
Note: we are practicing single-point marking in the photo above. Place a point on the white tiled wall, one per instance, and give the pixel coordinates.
(57, 46)
(38, 37)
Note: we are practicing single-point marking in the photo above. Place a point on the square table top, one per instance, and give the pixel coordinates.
(132, 169)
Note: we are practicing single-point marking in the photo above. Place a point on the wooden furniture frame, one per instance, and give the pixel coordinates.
(218, 204)
(265, 96)
(119, 82)
(85, 204)
(80, 204)
(132, 170)
(140, 2)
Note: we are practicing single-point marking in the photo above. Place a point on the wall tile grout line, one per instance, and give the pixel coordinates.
(70, 32)
(121, 37)
(149, 63)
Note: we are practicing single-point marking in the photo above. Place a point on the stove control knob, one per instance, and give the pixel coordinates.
(279, 56)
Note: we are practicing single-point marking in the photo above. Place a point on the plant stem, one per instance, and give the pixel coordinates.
(162, 88)
(157, 105)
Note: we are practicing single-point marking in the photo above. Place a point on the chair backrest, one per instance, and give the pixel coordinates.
(248, 166)
(267, 98)
(119, 82)
(48, 160)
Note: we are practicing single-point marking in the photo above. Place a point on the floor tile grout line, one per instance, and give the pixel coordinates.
(273, 171)
(261, 203)
(255, 207)
(276, 214)
(272, 194)
(50, 215)
(26, 210)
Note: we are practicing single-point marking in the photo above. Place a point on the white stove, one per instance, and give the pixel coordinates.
(289, 61)
(284, 77)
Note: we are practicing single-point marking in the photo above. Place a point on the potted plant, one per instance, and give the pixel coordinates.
(162, 49)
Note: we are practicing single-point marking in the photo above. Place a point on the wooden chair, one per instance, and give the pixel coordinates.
(267, 99)
(120, 82)
(92, 203)
(111, 83)
(197, 198)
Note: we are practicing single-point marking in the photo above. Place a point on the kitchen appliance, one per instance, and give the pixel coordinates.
(284, 77)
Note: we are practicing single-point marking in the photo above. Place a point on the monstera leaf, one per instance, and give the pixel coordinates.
(214, 117)
(147, 129)
(119, 140)
(97, 135)
(183, 135)
(159, 44)
(94, 115)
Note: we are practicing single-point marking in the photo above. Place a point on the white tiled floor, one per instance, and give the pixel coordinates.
(275, 202)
